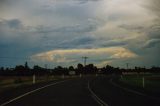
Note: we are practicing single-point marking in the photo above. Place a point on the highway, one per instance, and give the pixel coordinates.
(85, 91)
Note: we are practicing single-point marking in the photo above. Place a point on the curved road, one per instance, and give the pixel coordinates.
(88, 91)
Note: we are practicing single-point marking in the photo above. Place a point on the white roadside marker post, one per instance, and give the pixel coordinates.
(63, 76)
(34, 79)
(80, 75)
(143, 82)
(121, 77)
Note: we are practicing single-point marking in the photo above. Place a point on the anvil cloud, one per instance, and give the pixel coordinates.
(58, 31)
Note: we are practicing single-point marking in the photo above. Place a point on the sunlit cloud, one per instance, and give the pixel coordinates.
(71, 55)
(104, 63)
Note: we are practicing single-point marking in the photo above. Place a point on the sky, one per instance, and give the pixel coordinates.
(61, 32)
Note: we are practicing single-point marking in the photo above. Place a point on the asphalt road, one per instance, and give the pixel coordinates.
(115, 95)
(88, 91)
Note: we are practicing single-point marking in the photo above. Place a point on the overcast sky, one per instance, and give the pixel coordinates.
(60, 32)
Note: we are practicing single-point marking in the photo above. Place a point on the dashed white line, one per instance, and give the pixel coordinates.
(12, 100)
(96, 98)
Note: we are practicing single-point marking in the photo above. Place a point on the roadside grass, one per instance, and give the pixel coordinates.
(9, 82)
(151, 82)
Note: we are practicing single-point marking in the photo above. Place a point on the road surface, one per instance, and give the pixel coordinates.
(87, 91)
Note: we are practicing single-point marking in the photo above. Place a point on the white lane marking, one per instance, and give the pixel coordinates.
(96, 98)
(133, 91)
(12, 100)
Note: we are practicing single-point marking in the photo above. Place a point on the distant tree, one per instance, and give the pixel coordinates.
(2, 69)
(155, 69)
(90, 66)
(89, 69)
(71, 68)
(7, 69)
(36, 67)
(80, 69)
(59, 68)
(109, 68)
(40, 71)
(80, 66)
(20, 68)
(61, 71)
(26, 65)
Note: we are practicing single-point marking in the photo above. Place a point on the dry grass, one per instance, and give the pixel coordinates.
(7, 82)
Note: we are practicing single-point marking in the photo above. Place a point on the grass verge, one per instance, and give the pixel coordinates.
(149, 83)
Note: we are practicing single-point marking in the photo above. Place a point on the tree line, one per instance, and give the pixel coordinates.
(25, 70)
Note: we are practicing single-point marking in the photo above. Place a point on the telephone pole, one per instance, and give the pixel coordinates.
(85, 59)
(46, 66)
(127, 64)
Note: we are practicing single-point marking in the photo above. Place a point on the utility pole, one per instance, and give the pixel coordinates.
(85, 59)
(127, 64)
(46, 66)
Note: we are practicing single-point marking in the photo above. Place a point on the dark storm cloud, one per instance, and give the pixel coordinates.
(131, 27)
(154, 5)
(111, 43)
(79, 42)
(13, 34)
(80, 28)
(15, 37)
(7, 25)
(152, 43)
(86, 1)
(77, 28)
(67, 29)
(14, 23)
(154, 32)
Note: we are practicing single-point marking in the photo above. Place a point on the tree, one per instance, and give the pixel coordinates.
(80, 67)
(2, 69)
(36, 67)
(71, 68)
(20, 68)
(26, 65)
(90, 69)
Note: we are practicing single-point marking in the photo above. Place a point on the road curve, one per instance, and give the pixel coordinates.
(73, 92)
(115, 95)
(85, 91)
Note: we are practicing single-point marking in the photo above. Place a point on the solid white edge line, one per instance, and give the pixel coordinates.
(12, 100)
(133, 91)
(96, 98)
